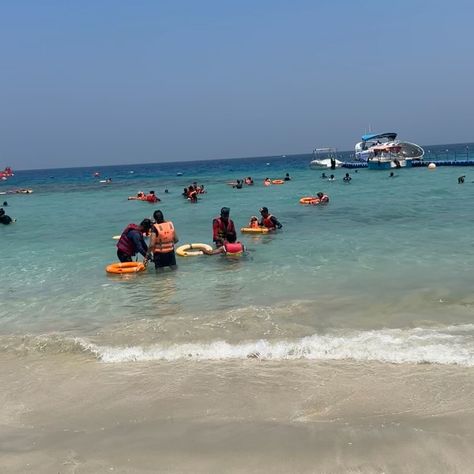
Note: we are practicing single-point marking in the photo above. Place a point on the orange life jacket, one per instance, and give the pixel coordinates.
(165, 237)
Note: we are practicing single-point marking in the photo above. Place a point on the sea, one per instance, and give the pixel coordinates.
(353, 324)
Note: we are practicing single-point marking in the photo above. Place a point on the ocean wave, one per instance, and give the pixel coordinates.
(448, 345)
(453, 345)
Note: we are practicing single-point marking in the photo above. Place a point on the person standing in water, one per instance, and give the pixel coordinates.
(223, 228)
(163, 238)
(269, 221)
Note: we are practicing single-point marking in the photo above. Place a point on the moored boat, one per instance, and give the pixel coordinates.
(383, 151)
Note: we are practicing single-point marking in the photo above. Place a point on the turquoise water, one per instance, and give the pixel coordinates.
(384, 272)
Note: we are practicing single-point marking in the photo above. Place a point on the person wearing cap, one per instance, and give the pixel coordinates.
(132, 242)
(269, 221)
(223, 228)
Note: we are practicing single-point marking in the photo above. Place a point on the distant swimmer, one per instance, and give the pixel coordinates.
(152, 197)
(287, 177)
(323, 198)
(267, 182)
(238, 184)
(5, 203)
(230, 247)
(269, 221)
(132, 242)
(248, 181)
(347, 178)
(4, 219)
(461, 179)
(163, 238)
(331, 178)
(324, 176)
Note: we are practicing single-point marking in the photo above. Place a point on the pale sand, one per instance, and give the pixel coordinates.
(66, 414)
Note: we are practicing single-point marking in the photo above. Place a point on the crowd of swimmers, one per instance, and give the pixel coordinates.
(192, 192)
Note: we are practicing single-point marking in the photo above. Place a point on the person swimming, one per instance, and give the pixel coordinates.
(347, 178)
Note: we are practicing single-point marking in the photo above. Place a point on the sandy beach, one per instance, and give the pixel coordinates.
(75, 416)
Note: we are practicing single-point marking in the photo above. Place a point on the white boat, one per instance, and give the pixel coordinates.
(325, 158)
(383, 151)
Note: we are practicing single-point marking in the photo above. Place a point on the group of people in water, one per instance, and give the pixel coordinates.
(163, 238)
(192, 192)
(141, 196)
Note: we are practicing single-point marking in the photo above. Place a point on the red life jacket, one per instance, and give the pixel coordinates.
(151, 198)
(165, 237)
(223, 229)
(125, 244)
(268, 223)
(235, 248)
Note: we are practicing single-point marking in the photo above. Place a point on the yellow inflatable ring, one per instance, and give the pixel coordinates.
(278, 181)
(254, 230)
(310, 200)
(192, 250)
(125, 267)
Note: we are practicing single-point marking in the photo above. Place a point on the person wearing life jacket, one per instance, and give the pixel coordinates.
(269, 221)
(163, 238)
(253, 223)
(223, 228)
(323, 198)
(132, 242)
(151, 197)
(230, 248)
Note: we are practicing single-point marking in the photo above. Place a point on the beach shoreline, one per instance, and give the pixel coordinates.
(66, 414)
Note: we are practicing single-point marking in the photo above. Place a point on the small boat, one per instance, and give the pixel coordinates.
(325, 158)
(383, 151)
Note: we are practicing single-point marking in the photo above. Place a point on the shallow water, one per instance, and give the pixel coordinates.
(387, 254)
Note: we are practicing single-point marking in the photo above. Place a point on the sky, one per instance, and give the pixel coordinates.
(98, 82)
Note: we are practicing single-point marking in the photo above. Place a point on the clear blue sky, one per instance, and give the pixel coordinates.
(108, 82)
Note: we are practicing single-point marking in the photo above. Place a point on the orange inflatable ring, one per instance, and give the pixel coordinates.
(310, 200)
(278, 181)
(125, 267)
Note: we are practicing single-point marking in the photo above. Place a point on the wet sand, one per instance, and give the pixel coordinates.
(69, 414)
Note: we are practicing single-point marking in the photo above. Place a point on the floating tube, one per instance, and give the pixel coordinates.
(125, 267)
(278, 181)
(254, 230)
(192, 250)
(310, 200)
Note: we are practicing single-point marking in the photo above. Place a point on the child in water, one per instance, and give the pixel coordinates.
(253, 224)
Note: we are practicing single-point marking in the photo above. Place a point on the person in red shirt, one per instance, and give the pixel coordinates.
(223, 228)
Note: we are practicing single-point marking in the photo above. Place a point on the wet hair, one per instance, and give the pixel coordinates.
(158, 216)
(146, 224)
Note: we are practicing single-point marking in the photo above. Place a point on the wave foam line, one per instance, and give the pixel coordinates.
(393, 346)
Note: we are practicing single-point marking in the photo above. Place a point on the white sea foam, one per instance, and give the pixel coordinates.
(451, 345)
